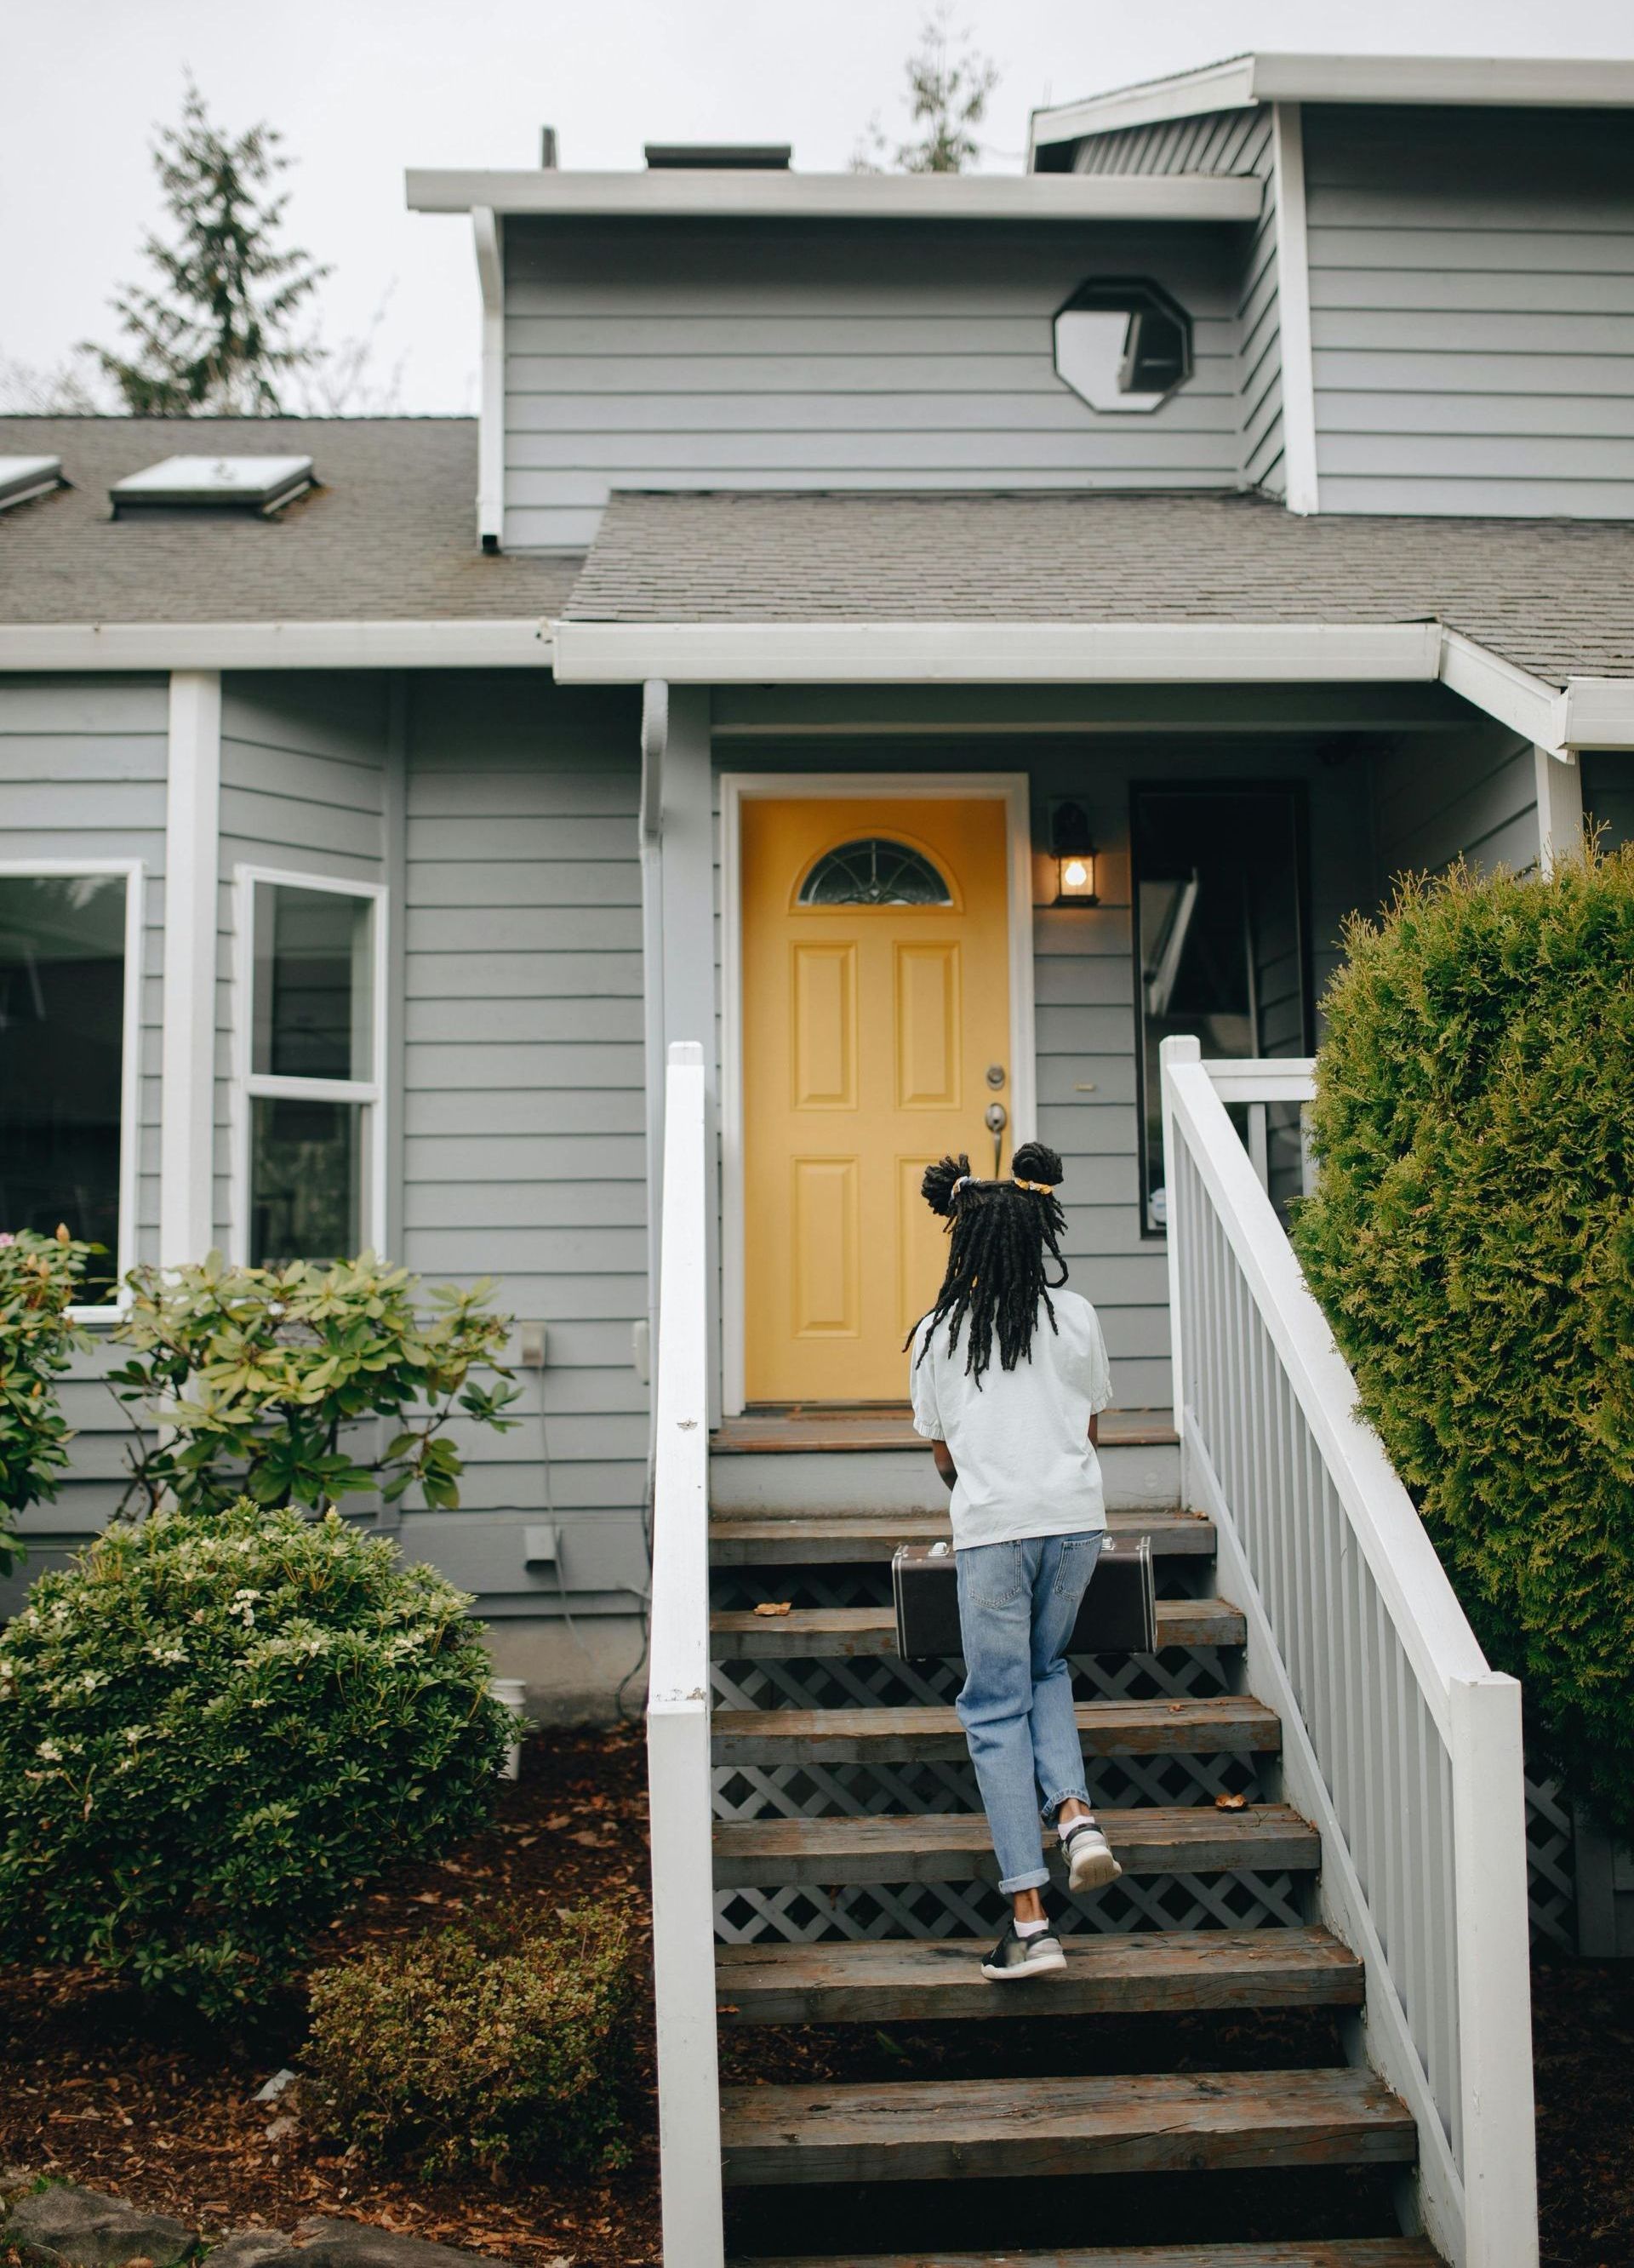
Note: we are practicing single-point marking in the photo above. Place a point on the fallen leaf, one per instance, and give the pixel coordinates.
(558, 1819)
(774, 1607)
(1230, 1802)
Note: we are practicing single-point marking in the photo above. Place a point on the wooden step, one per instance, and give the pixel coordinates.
(913, 1980)
(766, 1539)
(797, 1428)
(920, 1735)
(854, 1633)
(953, 2129)
(942, 1846)
(1320, 2252)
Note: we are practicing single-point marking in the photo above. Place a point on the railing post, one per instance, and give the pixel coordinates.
(1499, 2160)
(678, 1697)
(1181, 1048)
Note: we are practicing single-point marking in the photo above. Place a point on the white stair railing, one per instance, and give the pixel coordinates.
(678, 1696)
(1398, 1742)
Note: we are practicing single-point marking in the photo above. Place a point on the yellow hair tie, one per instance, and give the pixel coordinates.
(1042, 1189)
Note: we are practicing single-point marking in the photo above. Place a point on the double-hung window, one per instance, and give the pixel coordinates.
(309, 1125)
(70, 995)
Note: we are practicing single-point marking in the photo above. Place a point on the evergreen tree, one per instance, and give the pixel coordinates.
(212, 335)
(947, 93)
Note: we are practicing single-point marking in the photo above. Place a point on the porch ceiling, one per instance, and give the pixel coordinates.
(1550, 597)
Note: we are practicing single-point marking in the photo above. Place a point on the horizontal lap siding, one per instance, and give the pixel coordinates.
(523, 1150)
(1472, 311)
(1475, 797)
(1609, 797)
(302, 787)
(81, 775)
(838, 358)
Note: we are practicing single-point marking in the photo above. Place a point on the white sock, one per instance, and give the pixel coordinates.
(1030, 1928)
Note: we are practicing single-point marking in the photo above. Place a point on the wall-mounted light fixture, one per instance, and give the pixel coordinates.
(1075, 855)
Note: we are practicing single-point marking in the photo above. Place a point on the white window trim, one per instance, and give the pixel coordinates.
(134, 871)
(249, 1084)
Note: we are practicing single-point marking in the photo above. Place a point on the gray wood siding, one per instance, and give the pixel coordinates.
(1608, 796)
(1472, 311)
(1259, 337)
(1084, 973)
(523, 1108)
(1472, 794)
(83, 766)
(839, 359)
(1216, 142)
(302, 790)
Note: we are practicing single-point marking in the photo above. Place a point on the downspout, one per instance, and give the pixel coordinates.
(654, 738)
(491, 429)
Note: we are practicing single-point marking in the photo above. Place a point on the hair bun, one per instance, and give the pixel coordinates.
(1033, 1162)
(937, 1188)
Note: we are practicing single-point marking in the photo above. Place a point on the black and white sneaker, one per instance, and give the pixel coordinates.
(1090, 1863)
(1023, 1956)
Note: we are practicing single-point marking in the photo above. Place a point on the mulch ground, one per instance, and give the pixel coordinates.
(98, 2088)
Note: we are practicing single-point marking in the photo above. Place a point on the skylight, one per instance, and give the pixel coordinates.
(254, 485)
(22, 477)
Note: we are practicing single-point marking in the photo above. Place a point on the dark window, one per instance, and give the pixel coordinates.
(1221, 948)
(305, 1179)
(1124, 347)
(314, 1008)
(63, 1056)
(874, 872)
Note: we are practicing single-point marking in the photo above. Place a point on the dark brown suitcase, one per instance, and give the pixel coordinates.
(1119, 1614)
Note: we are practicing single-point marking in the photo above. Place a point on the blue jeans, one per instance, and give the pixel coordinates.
(1017, 1605)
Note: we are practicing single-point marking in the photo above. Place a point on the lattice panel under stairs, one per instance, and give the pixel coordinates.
(1551, 1875)
(882, 1682)
(805, 1915)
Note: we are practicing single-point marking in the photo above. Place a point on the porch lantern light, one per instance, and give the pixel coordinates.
(1075, 855)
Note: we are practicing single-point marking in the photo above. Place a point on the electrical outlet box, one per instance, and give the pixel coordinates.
(534, 1345)
(541, 1544)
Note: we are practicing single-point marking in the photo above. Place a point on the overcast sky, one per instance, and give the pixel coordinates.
(362, 88)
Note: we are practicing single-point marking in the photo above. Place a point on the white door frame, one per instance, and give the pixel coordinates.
(1012, 790)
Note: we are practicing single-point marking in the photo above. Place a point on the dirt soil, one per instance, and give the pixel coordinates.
(98, 2088)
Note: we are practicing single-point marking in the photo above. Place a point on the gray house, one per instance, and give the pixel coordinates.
(898, 665)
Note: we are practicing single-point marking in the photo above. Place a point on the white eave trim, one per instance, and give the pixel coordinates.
(746, 195)
(524, 645)
(992, 653)
(1567, 83)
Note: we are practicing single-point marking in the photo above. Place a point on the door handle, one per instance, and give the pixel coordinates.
(997, 1118)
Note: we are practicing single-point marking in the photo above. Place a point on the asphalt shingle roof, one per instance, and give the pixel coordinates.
(389, 535)
(1556, 596)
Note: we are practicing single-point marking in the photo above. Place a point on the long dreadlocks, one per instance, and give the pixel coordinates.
(998, 1235)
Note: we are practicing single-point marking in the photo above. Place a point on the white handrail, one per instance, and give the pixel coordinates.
(1399, 1742)
(678, 1696)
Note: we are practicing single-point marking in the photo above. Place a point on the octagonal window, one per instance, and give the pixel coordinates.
(1123, 348)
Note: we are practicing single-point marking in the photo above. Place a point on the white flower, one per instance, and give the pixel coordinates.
(50, 1752)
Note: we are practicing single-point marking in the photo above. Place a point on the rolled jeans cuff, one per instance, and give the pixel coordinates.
(1035, 1878)
(1080, 1794)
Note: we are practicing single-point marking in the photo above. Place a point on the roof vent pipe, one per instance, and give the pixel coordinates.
(548, 158)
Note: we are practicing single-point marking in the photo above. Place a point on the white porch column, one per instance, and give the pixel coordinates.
(187, 1058)
(1559, 807)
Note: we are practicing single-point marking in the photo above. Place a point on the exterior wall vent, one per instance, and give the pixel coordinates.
(253, 486)
(22, 477)
(718, 157)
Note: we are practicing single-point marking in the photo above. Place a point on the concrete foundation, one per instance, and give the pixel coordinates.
(571, 1678)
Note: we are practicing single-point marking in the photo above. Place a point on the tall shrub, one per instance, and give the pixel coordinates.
(39, 1278)
(1472, 1240)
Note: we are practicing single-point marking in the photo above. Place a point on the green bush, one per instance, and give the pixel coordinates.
(214, 1727)
(39, 1278)
(256, 1374)
(477, 2051)
(1472, 1240)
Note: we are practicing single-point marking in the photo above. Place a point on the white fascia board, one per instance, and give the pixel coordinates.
(1537, 712)
(685, 193)
(524, 645)
(993, 654)
(1565, 83)
(490, 424)
(1600, 712)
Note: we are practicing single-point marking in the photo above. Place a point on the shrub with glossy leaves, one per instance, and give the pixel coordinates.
(41, 1276)
(481, 2049)
(215, 1727)
(1472, 1240)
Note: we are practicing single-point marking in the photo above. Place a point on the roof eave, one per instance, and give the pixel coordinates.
(745, 196)
(523, 643)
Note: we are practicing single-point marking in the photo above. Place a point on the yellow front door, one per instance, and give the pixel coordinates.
(876, 1002)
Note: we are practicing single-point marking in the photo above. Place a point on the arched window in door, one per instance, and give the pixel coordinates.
(874, 872)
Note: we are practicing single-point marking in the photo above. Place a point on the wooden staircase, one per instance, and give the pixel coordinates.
(855, 1891)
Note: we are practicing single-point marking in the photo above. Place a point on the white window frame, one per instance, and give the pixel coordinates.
(134, 871)
(249, 1084)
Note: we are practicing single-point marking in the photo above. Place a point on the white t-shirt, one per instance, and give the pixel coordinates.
(1022, 1439)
